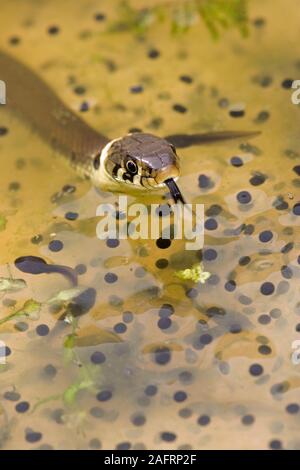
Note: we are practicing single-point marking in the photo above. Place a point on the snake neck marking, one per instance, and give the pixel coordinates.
(99, 174)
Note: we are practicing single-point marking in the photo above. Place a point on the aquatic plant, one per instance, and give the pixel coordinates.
(70, 394)
(30, 309)
(8, 284)
(87, 375)
(64, 296)
(217, 15)
(195, 274)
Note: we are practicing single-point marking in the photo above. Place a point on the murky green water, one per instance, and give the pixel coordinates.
(145, 360)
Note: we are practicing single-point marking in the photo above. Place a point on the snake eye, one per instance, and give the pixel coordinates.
(131, 166)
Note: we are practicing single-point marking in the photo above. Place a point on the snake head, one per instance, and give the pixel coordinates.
(138, 162)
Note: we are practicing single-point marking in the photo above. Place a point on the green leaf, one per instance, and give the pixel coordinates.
(69, 342)
(216, 14)
(64, 295)
(30, 309)
(223, 14)
(8, 284)
(70, 393)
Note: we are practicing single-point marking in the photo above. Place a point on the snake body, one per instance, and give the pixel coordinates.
(135, 163)
(34, 101)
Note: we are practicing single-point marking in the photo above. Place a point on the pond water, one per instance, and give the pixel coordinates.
(133, 357)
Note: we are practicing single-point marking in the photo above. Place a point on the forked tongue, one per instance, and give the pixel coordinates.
(174, 190)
